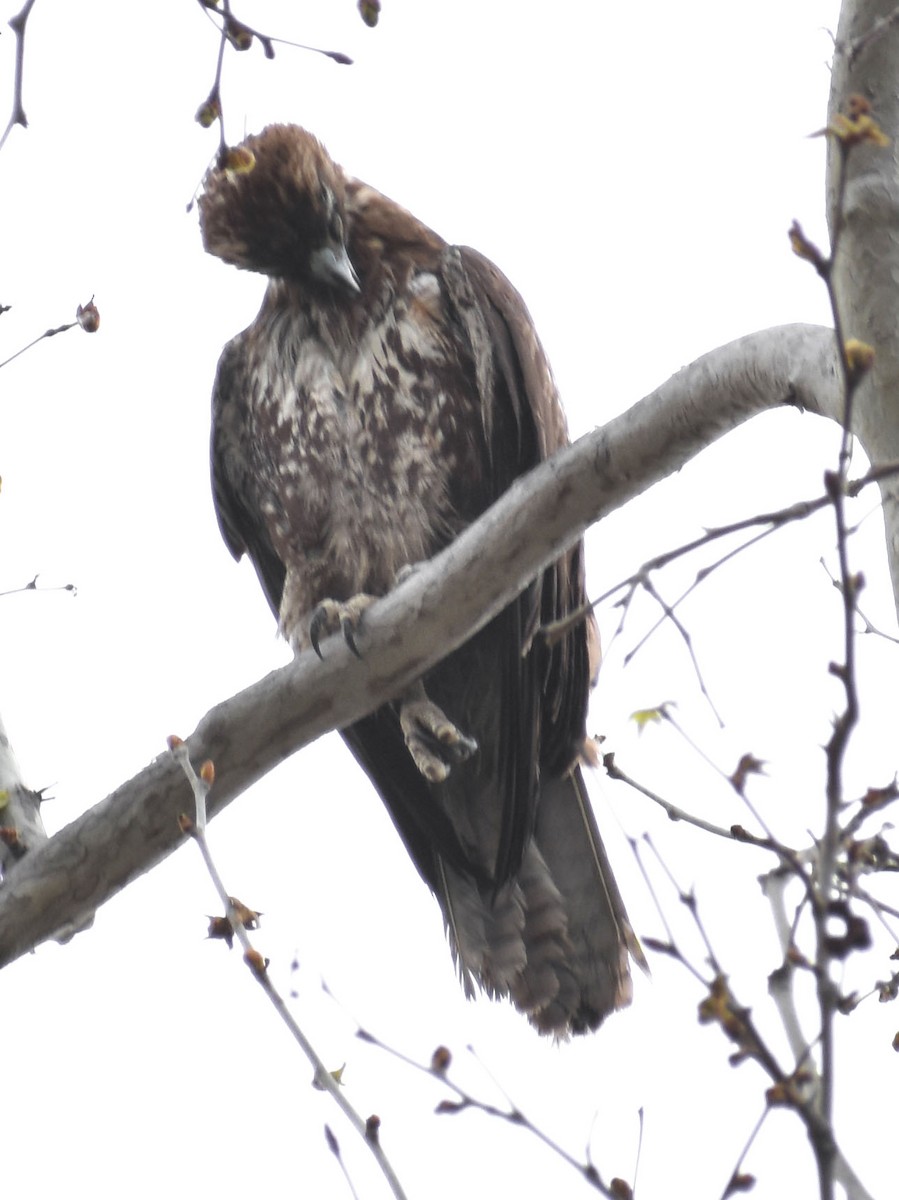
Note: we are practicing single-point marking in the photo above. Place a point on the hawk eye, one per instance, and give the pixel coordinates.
(333, 217)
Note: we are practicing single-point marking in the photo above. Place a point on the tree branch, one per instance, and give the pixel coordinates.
(435, 610)
(17, 117)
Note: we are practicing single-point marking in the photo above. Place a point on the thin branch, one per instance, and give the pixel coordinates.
(672, 811)
(704, 572)
(258, 966)
(736, 1176)
(17, 24)
(778, 519)
(438, 1069)
(240, 37)
(86, 316)
(32, 586)
(669, 614)
(774, 885)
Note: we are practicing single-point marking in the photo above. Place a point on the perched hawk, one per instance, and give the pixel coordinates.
(390, 389)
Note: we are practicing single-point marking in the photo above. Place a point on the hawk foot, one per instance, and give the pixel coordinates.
(335, 616)
(434, 742)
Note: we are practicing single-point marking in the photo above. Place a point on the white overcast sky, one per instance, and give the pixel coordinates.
(634, 170)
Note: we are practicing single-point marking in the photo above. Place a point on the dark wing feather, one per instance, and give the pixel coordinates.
(378, 745)
(543, 694)
(242, 526)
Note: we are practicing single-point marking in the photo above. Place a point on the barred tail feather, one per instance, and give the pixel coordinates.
(556, 939)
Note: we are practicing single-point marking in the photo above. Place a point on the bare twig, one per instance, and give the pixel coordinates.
(87, 317)
(772, 521)
(323, 1078)
(32, 586)
(464, 1100)
(17, 25)
(240, 36)
(674, 813)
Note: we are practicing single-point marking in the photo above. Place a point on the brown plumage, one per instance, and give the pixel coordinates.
(390, 389)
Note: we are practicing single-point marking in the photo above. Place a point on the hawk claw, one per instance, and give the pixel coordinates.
(338, 616)
(349, 627)
(434, 742)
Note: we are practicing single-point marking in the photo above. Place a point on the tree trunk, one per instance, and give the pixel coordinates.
(866, 269)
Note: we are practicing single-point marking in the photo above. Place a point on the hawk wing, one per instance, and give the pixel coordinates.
(243, 529)
(508, 842)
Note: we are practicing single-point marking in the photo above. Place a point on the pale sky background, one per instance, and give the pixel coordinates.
(634, 170)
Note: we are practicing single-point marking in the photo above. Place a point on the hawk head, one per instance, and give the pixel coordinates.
(281, 212)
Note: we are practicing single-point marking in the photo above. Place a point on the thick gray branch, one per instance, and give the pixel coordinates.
(58, 885)
(866, 275)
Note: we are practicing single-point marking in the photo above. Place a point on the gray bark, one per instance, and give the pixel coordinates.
(866, 274)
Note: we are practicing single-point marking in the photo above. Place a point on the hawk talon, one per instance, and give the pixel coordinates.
(434, 742)
(338, 616)
(319, 626)
(350, 627)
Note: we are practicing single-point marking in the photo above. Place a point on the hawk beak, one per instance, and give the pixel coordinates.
(331, 264)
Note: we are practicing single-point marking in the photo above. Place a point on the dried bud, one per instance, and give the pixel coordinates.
(721, 1007)
(370, 11)
(888, 990)
(220, 929)
(856, 125)
(238, 35)
(88, 316)
(748, 765)
(186, 824)
(248, 917)
(877, 797)
(372, 1126)
(173, 741)
(739, 1182)
(859, 357)
(209, 111)
(440, 1060)
(207, 772)
(621, 1189)
(238, 160)
(257, 964)
(803, 248)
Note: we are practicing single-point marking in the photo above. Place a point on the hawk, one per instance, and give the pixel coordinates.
(390, 389)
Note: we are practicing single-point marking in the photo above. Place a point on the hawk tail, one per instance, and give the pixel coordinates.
(555, 938)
